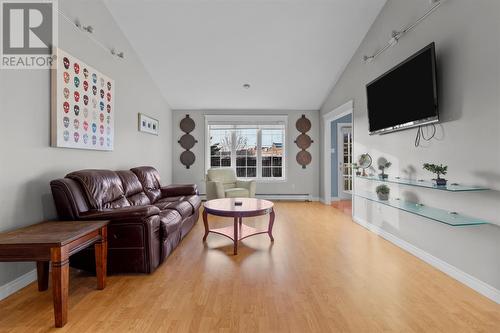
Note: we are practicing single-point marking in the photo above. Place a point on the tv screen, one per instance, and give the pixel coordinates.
(405, 96)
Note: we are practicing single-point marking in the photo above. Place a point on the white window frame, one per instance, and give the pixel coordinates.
(250, 120)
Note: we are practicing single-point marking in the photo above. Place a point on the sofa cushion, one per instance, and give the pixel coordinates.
(236, 192)
(150, 180)
(182, 207)
(171, 199)
(170, 221)
(132, 188)
(194, 201)
(103, 188)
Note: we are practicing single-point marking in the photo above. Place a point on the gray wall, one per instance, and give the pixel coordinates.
(299, 181)
(335, 154)
(28, 163)
(468, 51)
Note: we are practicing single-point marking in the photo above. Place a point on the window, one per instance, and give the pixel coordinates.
(253, 146)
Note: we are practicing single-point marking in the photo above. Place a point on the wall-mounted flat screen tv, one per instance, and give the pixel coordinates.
(405, 96)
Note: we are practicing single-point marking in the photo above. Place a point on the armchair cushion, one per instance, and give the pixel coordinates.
(237, 193)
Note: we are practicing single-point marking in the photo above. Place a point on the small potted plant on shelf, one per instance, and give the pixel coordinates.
(356, 167)
(383, 192)
(382, 165)
(438, 170)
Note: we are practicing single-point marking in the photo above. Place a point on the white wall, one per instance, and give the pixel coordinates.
(28, 163)
(299, 181)
(468, 58)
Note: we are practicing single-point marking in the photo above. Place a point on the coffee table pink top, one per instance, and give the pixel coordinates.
(249, 207)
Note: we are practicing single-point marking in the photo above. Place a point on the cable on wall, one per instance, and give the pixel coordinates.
(88, 31)
(397, 34)
(427, 136)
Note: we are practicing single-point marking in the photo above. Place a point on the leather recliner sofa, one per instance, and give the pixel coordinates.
(147, 220)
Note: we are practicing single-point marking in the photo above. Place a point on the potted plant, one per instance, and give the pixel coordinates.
(438, 170)
(383, 192)
(382, 165)
(356, 167)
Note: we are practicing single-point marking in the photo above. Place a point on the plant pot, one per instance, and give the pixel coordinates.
(440, 181)
(358, 173)
(383, 196)
(383, 176)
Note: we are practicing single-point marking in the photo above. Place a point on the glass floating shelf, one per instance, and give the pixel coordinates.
(451, 187)
(453, 219)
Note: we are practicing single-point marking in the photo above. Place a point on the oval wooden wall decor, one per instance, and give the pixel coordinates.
(303, 141)
(187, 141)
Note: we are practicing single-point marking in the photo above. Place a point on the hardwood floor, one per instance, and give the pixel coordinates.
(345, 206)
(324, 273)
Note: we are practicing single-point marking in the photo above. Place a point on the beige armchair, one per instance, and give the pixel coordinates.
(222, 183)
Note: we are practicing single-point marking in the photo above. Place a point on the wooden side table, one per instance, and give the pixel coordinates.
(56, 241)
(249, 207)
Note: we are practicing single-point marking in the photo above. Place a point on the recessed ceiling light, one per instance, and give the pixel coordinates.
(246, 86)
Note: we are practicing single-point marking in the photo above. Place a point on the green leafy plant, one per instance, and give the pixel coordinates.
(438, 170)
(382, 165)
(382, 189)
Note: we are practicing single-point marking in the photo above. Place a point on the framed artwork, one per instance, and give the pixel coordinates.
(82, 104)
(148, 124)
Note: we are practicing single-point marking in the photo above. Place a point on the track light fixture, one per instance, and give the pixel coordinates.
(397, 34)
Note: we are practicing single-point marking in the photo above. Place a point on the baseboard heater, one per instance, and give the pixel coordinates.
(287, 197)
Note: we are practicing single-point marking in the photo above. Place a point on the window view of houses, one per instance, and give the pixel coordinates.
(240, 149)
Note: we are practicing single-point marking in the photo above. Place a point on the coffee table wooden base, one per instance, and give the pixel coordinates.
(239, 230)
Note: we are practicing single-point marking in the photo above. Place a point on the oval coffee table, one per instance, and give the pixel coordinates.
(250, 207)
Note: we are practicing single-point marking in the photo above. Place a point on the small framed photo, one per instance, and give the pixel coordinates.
(148, 124)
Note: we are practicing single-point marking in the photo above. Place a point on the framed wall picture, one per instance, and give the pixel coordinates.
(148, 124)
(82, 105)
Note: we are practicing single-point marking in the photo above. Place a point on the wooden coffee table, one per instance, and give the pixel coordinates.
(250, 207)
(55, 241)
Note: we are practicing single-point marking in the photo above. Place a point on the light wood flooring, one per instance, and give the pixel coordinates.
(324, 273)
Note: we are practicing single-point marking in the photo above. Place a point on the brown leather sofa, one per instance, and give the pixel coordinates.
(147, 220)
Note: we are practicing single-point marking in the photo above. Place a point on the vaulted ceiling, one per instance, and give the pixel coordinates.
(200, 53)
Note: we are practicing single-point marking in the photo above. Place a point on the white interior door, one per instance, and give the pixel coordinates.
(344, 149)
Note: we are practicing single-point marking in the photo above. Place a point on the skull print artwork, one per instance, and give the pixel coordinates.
(82, 105)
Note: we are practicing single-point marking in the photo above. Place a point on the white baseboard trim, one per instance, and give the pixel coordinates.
(11, 287)
(459, 275)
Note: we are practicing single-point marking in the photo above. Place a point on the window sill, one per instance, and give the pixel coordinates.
(265, 180)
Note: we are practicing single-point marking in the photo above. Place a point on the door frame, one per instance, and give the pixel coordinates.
(339, 112)
(341, 194)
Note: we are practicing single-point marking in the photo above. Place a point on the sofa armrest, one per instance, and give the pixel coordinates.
(177, 190)
(133, 212)
(215, 190)
(250, 185)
